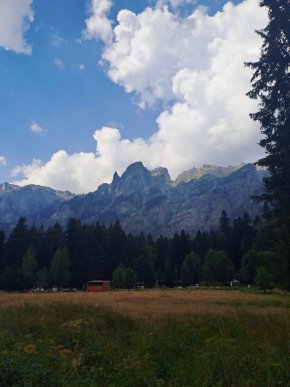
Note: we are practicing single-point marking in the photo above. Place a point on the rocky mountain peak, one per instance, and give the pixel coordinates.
(135, 178)
(7, 187)
(206, 169)
(160, 172)
(116, 178)
(143, 200)
(161, 176)
(134, 169)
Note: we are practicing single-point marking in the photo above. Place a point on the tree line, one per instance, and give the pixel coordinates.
(72, 255)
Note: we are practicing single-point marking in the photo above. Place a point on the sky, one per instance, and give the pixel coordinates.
(88, 87)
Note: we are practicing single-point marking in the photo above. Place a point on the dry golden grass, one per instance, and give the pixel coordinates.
(160, 303)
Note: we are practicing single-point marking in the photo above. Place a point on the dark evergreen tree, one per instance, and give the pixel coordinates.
(33, 237)
(265, 238)
(248, 234)
(28, 268)
(271, 85)
(236, 252)
(191, 269)
(77, 244)
(202, 243)
(50, 241)
(224, 222)
(115, 248)
(162, 251)
(14, 250)
(144, 267)
(60, 267)
(42, 278)
(170, 278)
(8, 279)
(179, 248)
(145, 271)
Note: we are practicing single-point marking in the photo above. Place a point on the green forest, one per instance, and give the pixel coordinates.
(243, 249)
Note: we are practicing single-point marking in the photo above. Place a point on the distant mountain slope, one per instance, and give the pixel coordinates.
(32, 201)
(6, 187)
(197, 173)
(143, 200)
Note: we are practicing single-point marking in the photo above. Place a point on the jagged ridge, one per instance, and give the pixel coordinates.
(143, 200)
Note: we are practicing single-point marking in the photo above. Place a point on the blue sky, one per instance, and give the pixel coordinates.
(63, 92)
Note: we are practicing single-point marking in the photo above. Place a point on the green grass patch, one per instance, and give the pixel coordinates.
(82, 345)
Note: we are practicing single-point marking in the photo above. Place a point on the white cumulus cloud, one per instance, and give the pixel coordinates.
(15, 19)
(194, 65)
(83, 172)
(174, 3)
(98, 26)
(35, 128)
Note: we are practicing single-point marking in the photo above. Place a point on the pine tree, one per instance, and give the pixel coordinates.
(16, 245)
(162, 249)
(271, 85)
(225, 223)
(60, 267)
(145, 271)
(28, 267)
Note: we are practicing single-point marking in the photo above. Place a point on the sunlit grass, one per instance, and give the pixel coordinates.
(61, 344)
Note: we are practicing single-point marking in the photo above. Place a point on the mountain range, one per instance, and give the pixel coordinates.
(142, 200)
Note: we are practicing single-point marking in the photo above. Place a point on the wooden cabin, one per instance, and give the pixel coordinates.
(98, 286)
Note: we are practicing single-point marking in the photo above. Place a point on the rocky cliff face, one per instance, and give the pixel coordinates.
(32, 201)
(144, 200)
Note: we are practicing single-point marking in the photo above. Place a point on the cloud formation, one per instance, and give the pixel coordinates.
(84, 172)
(174, 3)
(58, 63)
(98, 26)
(194, 66)
(3, 160)
(56, 39)
(16, 17)
(35, 128)
(150, 48)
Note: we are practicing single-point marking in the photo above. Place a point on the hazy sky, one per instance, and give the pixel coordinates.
(89, 86)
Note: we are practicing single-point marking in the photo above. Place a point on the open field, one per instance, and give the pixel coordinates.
(160, 303)
(202, 338)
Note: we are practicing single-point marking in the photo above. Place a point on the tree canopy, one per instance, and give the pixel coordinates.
(271, 86)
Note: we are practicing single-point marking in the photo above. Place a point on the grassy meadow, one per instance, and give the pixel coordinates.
(148, 338)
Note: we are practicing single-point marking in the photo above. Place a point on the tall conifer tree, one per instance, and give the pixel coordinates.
(271, 85)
